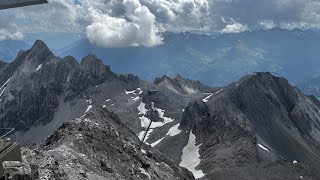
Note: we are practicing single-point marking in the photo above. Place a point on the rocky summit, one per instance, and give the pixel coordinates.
(87, 121)
(98, 146)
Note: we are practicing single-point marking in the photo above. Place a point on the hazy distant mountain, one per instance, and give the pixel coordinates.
(311, 86)
(10, 48)
(226, 57)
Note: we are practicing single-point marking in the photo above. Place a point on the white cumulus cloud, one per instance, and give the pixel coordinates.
(235, 28)
(118, 23)
(137, 27)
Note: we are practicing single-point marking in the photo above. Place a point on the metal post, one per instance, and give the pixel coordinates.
(151, 120)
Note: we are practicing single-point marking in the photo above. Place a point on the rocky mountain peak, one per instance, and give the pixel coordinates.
(94, 66)
(38, 44)
(100, 146)
(180, 84)
(161, 79)
(179, 77)
(40, 47)
(70, 60)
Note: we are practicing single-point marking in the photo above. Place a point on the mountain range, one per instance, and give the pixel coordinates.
(86, 122)
(227, 57)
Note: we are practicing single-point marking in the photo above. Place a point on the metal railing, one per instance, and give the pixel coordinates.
(7, 137)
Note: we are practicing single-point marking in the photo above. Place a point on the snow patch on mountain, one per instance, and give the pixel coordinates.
(139, 91)
(130, 92)
(264, 148)
(141, 134)
(207, 98)
(142, 108)
(89, 107)
(157, 142)
(174, 130)
(146, 121)
(3, 87)
(5, 83)
(219, 91)
(39, 67)
(209, 95)
(191, 157)
(2, 91)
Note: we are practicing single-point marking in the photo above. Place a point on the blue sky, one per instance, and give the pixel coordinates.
(121, 23)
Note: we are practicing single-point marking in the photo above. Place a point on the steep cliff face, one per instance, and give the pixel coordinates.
(99, 146)
(39, 87)
(260, 126)
(180, 84)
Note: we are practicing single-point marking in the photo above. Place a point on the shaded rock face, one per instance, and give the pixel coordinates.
(37, 83)
(259, 126)
(99, 146)
(181, 85)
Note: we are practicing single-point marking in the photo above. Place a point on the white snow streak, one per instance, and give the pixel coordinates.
(166, 120)
(264, 148)
(141, 134)
(2, 91)
(136, 98)
(295, 162)
(140, 91)
(130, 92)
(219, 91)
(3, 87)
(89, 107)
(143, 151)
(144, 121)
(157, 142)
(173, 131)
(207, 98)
(191, 157)
(5, 83)
(39, 67)
(142, 108)
(210, 94)
(108, 100)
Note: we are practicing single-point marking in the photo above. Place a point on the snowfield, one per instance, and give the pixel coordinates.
(173, 131)
(191, 157)
(146, 121)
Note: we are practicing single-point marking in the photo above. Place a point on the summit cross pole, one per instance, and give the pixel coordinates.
(151, 115)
